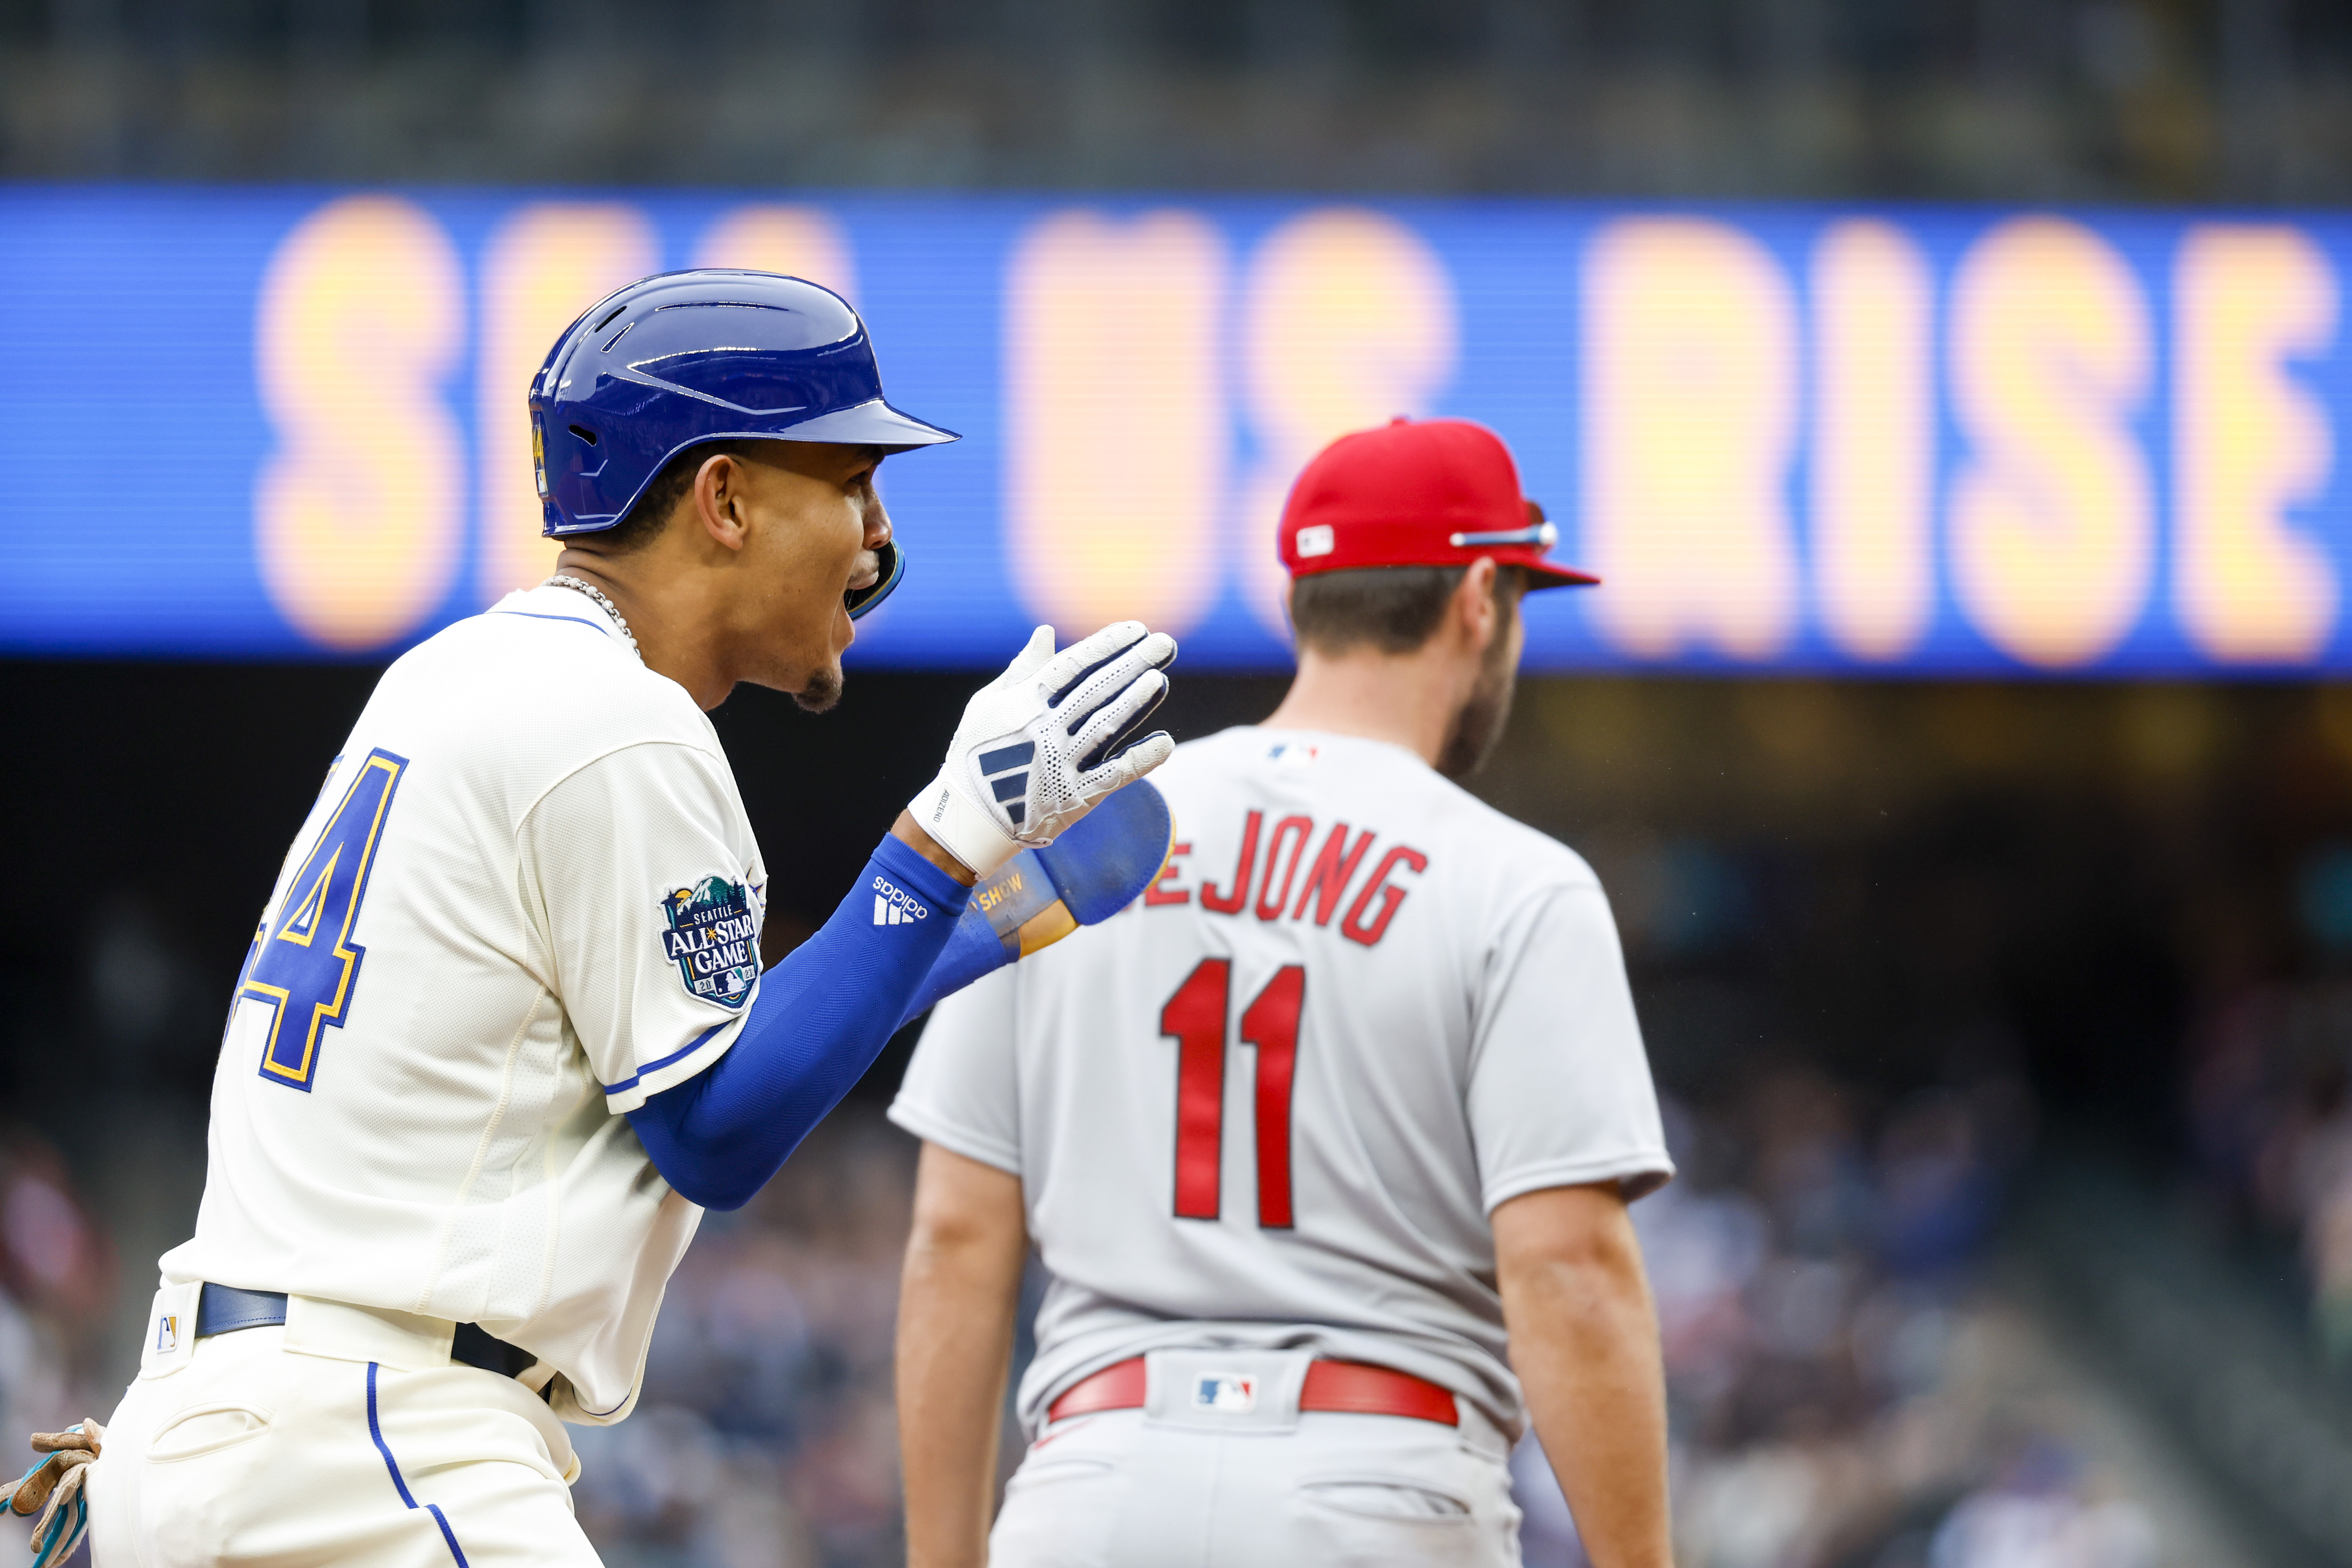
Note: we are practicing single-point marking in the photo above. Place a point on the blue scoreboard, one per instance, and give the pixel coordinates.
(290, 423)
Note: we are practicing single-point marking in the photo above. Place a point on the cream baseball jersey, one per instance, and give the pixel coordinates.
(527, 899)
(1271, 1103)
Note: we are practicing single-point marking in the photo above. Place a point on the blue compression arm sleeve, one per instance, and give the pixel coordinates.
(820, 1019)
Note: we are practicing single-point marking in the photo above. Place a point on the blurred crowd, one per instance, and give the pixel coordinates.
(2268, 1103)
(57, 1282)
(2070, 99)
(2270, 1106)
(1822, 1281)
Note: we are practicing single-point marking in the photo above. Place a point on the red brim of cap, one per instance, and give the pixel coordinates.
(1549, 574)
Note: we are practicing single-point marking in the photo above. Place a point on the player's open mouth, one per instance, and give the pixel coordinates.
(877, 574)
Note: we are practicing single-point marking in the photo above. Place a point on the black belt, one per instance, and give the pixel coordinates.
(225, 1309)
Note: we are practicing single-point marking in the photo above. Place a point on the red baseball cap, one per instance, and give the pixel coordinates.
(1430, 492)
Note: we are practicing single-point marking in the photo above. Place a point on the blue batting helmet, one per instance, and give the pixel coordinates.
(683, 358)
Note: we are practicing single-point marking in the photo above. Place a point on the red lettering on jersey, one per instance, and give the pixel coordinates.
(1231, 903)
(1155, 895)
(1269, 902)
(1195, 1018)
(1326, 880)
(1271, 1023)
(1353, 927)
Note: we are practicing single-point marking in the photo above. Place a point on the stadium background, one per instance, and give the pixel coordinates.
(1950, 390)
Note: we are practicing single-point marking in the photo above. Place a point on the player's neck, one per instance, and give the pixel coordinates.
(1408, 700)
(672, 616)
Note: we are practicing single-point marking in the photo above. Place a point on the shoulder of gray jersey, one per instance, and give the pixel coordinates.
(1524, 859)
(1524, 855)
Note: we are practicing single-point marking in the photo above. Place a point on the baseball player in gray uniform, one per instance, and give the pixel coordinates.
(1328, 1140)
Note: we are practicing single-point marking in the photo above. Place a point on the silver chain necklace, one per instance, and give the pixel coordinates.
(565, 580)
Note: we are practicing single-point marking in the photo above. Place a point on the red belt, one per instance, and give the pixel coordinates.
(1350, 1387)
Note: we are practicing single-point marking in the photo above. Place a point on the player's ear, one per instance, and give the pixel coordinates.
(1474, 611)
(716, 499)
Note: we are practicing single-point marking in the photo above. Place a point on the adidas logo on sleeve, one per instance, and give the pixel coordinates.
(893, 905)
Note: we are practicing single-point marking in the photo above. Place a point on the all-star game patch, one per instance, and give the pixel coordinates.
(714, 939)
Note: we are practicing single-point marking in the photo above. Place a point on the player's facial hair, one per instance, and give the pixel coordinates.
(1478, 724)
(822, 688)
(821, 692)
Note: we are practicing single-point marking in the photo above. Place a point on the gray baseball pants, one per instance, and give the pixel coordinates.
(1187, 1483)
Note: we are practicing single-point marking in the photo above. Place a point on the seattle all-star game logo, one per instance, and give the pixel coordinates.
(714, 939)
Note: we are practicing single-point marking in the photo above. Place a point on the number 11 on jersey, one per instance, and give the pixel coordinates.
(1195, 1018)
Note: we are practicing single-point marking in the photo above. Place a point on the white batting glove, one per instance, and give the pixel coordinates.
(1034, 750)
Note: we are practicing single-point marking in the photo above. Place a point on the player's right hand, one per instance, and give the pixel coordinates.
(1044, 741)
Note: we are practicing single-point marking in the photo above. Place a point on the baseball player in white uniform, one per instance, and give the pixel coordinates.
(1326, 1140)
(503, 1028)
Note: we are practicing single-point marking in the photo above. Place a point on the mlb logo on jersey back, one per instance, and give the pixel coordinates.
(714, 939)
(1292, 754)
(1226, 1392)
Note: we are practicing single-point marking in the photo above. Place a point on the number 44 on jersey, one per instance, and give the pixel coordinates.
(304, 966)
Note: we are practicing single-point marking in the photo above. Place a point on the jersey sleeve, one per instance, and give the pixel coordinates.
(962, 1091)
(641, 868)
(1559, 1085)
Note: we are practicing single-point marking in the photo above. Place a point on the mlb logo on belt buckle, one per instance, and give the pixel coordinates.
(1226, 1393)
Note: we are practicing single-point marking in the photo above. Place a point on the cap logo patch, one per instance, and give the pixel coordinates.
(714, 939)
(1314, 540)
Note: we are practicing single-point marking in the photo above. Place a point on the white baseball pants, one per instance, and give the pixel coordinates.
(1175, 1486)
(248, 1452)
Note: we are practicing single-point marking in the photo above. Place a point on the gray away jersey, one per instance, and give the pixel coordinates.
(1272, 1101)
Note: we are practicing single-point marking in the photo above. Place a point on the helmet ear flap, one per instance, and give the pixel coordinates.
(894, 566)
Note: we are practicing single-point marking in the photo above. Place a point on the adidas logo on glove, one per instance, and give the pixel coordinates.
(1010, 789)
(1016, 774)
(893, 905)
